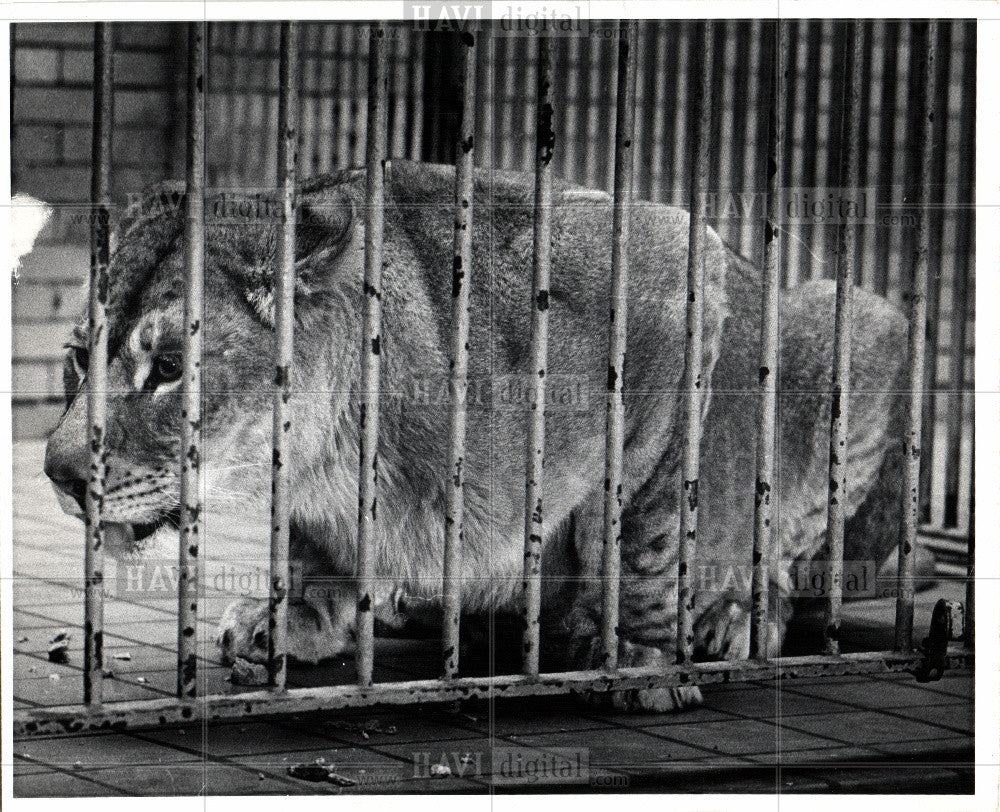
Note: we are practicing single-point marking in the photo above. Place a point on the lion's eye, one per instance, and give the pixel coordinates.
(166, 368)
(81, 357)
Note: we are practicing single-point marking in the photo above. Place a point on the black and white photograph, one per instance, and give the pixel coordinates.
(493, 399)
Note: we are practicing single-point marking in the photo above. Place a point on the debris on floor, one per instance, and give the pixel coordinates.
(364, 728)
(59, 647)
(319, 770)
(245, 672)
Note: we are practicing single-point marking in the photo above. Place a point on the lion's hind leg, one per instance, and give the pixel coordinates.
(722, 632)
(647, 603)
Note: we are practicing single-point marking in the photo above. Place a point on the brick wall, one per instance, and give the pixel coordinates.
(50, 160)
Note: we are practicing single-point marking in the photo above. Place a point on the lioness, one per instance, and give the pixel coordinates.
(145, 329)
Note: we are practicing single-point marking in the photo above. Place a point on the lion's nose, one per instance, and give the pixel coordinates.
(76, 488)
(66, 475)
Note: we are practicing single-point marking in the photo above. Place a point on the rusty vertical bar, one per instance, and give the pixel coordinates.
(959, 350)
(417, 57)
(594, 105)
(801, 116)
(522, 135)
(658, 103)
(485, 135)
(896, 239)
(850, 169)
(327, 88)
(97, 368)
(750, 181)
(768, 363)
(358, 104)
(614, 447)
(399, 62)
(191, 432)
(691, 383)
(682, 128)
(534, 526)
(934, 278)
(961, 289)
(824, 152)
(571, 105)
(461, 280)
(970, 582)
(375, 168)
(915, 352)
(726, 135)
(284, 326)
(347, 67)
(877, 55)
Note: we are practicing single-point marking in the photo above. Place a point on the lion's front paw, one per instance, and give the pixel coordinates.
(243, 631)
(650, 700)
(655, 700)
(313, 634)
(723, 633)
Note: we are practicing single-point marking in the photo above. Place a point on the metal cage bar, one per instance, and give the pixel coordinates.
(458, 379)
(614, 448)
(97, 367)
(284, 328)
(965, 240)
(534, 526)
(915, 356)
(159, 712)
(850, 172)
(935, 286)
(956, 414)
(768, 372)
(191, 383)
(691, 383)
(375, 166)
(970, 576)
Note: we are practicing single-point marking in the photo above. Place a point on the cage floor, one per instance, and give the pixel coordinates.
(844, 734)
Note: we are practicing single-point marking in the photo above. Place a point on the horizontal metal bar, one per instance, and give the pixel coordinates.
(72, 719)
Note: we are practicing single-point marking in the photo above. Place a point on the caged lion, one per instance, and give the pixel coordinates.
(144, 422)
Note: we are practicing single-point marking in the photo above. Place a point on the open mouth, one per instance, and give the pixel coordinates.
(144, 531)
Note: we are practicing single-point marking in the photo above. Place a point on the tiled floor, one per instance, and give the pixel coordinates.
(853, 734)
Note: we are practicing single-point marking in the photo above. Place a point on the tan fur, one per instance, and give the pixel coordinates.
(418, 281)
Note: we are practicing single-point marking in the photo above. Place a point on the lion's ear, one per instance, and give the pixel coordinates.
(323, 227)
(324, 222)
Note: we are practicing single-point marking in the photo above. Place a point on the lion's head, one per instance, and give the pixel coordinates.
(145, 302)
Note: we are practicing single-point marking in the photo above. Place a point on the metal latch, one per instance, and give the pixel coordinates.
(947, 624)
